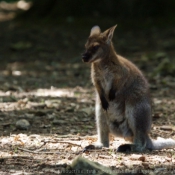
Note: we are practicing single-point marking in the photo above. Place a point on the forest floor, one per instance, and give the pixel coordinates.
(44, 81)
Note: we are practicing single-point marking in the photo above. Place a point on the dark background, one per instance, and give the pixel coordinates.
(119, 9)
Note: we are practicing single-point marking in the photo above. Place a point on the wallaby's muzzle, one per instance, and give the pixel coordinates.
(86, 57)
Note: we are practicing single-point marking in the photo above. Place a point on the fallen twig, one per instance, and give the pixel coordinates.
(36, 152)
(59, 141)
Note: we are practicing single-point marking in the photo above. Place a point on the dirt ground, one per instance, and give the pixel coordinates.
(44, 81)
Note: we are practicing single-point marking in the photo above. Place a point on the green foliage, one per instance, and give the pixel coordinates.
(165, 67)
(160, 62)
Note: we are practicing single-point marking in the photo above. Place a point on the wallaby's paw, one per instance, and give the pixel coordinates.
(112, 94)
(104, 102)
(124, 148)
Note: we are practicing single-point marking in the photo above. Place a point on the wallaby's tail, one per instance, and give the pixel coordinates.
(160, 143)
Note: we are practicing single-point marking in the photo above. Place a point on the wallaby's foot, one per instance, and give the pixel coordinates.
(96, 145)
(124, 148)
(131, 148)
(89, 147)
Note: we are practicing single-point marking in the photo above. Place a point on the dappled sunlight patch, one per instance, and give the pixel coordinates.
(49, 98)
(24, 5)
(17, 73)
(8, 10)
(53, 92)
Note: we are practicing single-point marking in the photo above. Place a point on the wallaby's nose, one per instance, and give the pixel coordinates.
(85, 57)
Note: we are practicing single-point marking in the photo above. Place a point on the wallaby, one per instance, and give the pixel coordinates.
(123, 104)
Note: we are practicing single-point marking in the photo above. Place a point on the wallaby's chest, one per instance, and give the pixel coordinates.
(104, 78)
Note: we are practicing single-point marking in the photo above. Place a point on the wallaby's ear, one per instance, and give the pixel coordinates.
(108, 34)
(95, 30)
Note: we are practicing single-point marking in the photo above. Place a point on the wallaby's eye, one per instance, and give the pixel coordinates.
(95, 48)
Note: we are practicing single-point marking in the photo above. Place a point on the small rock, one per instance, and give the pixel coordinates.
(157, 101)
(22, 124)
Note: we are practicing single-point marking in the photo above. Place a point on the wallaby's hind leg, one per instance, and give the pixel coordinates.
(139, 120)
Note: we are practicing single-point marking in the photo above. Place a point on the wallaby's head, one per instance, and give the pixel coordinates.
(98, 44)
